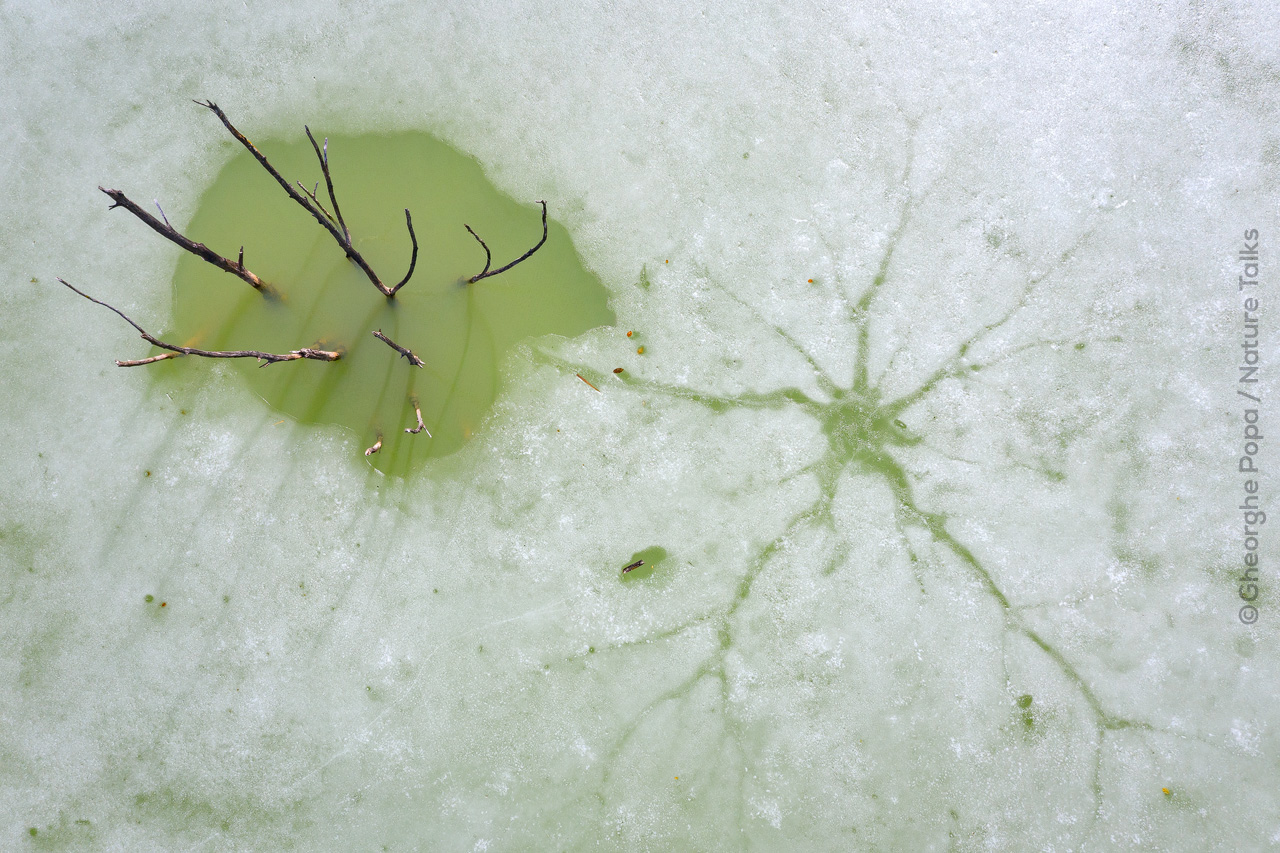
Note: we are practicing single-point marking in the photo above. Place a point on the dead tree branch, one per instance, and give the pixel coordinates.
(413, 359)
(485, 273)
(413, 259)
(140, 361)
(175, 351)
(311, 194)
(323, 157)
(167, 231)
(342, 237)
(421, 427)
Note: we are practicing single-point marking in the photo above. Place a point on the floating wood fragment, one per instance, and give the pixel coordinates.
(637, 564)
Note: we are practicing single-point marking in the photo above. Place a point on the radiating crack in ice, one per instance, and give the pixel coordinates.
(864, 432)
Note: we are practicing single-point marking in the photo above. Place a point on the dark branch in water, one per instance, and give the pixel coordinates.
(485, 273)
(421, 427)
(323, 157)
(342, 237)
(167, 231)
(413, 359)
(175, 351)
(488, 256)
(413, 259)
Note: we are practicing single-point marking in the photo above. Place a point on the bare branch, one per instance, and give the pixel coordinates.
(265, 357)
(413, 259)
(199, 249)
(311, 194)
(413, 359)
(323, 157)
(485, 272)
(421, 427)
(140, 361)
(342, 238)
(377, 445)
(488, 256)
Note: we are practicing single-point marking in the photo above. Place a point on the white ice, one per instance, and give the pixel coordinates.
(835, 654)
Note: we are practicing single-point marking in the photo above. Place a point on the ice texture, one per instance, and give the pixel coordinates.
(936, 426)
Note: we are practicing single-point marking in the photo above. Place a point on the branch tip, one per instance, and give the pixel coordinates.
(485, 273)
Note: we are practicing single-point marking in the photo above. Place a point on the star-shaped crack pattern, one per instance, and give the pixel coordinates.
(866, 435)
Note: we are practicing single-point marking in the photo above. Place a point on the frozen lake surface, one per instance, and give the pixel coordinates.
(933, 451)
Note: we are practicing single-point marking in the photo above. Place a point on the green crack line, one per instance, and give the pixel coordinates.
(861, 430)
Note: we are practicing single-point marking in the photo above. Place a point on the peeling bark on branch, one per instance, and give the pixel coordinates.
(485, 273)
(175, 351)
(167, 231)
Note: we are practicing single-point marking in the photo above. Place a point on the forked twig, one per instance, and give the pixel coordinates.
(413, 359)
(485, 273)
(311, 194)
(323, 157)
(342, 237)
(421, 427)
(175, 351)
(167, 231)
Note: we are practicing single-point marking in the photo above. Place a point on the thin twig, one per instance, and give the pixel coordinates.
(485, 273)
(323, 157)
(265, 357)
(140, 361)
(119, 199)
(413, 259)
(377, 445)
(311, 194)
(421, 427)
(343, 239)
(413, 359)
(488, 256)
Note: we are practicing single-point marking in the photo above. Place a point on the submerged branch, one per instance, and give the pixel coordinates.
(413, 259)
(175, 351)
(421, 427)
(377, 445)
(485, 273)
(167, 231)
(413, 359)
(342, 237)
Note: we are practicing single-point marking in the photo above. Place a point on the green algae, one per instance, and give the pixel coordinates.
(461, 331)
